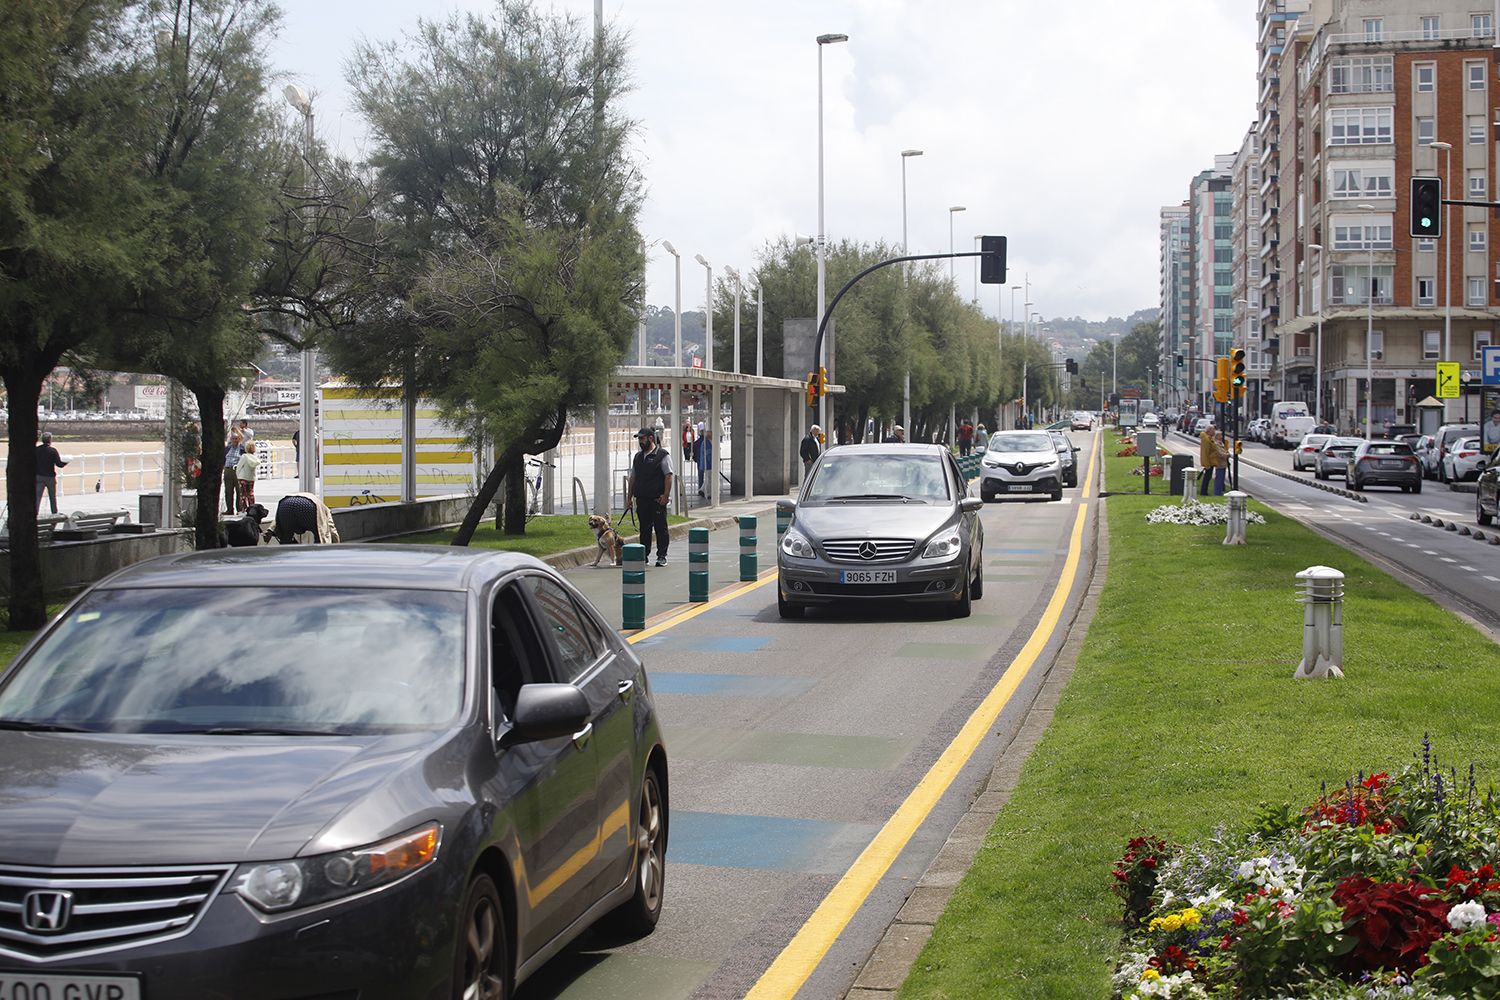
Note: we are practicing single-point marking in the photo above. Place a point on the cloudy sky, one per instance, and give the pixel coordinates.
(1063, 126)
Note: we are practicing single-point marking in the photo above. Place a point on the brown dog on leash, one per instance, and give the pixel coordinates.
(609, 539)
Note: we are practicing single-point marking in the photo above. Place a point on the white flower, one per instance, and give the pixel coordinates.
(1466, 915)
(1246, 869)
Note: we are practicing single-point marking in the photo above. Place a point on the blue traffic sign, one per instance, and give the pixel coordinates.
(1491, 365)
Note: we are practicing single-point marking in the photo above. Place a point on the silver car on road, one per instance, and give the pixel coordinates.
(881, 522)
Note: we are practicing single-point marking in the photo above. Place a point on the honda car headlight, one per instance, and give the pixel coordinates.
(274, 886)
(796, 545)
(943, 545)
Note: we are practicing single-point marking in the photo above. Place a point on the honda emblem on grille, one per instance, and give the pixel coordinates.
(46, 910)
(867, 550)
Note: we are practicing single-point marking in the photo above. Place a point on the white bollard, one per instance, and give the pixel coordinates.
(1190, 485)
(1239, 505)
(1322, 596)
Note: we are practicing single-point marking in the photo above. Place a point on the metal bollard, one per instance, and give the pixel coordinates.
(633, 586)
(1239, 506)
(783, 521)
(698, 565)
(1322, 596)
(1190, 485)
(749, 564)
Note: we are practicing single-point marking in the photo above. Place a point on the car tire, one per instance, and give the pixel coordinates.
(787, 609)
(1416, 487)
(1319, 474)
(481, 966)
(1356, 486)
(1479, 514)
(965, 605)
(1057, 493)
(986, 496)
(638, 915)
(976, 585)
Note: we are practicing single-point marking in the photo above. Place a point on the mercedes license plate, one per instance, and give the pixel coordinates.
(867, 576)
(54, 986)
(1019, 487)
(1387, 463)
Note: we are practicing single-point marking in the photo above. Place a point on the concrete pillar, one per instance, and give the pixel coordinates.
(792, 467)
(712, 426)
(679, 461)
(739, 416)
(603, 492)
(745, 452)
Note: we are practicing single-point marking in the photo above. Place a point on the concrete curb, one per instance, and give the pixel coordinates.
(888, 966)
(1326, 487)
(573, 558)
(1478, 534)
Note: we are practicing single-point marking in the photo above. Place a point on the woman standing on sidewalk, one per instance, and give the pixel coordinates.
(244, 471)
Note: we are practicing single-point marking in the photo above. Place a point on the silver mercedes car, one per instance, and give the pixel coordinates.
(882, 522)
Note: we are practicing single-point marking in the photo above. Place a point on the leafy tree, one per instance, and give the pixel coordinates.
(508, 282)
(79, 224)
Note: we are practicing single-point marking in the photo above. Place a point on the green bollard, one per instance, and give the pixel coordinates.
(783, 521)
(749, 563)
(698, 565)
(633, 587)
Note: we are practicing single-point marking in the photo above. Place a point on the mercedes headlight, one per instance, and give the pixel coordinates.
(274, 886)
(796, 545)
(944, 545)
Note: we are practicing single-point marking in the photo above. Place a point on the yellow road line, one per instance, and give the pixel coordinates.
(805, 951)
(769, 576)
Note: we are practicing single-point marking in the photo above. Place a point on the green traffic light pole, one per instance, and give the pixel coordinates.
(827, 313)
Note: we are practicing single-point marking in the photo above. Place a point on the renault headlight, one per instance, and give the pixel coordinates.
(796, 545)
(991, 459)
(943, 545)
(274, 886)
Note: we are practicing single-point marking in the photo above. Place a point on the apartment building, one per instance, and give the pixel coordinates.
(1245, 240)
(1371, 93)
(1176, 294)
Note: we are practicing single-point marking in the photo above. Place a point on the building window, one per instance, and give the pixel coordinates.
(1426, 291)
(1355, 232)
(1481, 341)
(1427, 246)
(1426, 131)
(1478, 185)
(1360, 126)
(1374, 29)
(1476, 292)
(1377, 343)
(1480, 23)
(1431, 344)
(1477, 238)
(1476, 130)
(1426, 77)
(1432, 27)
(1475, 73)
(1361, 75)
(1350, 284)
(1362, 180)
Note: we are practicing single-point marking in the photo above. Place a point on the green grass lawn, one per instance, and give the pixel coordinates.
(544, 536)
(1182, 715)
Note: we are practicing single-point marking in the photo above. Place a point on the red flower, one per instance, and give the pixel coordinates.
(1376, 781)
(1148, 862)
(1240, 918)
(1118, 874)
(1395, 922)
(1226, 942)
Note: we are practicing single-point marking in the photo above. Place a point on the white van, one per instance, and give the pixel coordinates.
(1281, 436)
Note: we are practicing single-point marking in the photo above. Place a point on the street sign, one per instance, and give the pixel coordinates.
(1490, 365)
(1447, 379)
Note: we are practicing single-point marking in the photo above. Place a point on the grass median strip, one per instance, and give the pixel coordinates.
(1182, 715)
(545, 536)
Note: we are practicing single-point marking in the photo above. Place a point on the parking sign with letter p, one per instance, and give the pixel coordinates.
(1490, 365)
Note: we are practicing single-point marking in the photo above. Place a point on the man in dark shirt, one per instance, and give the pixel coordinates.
(48, 461)
(811, 448)
(651, 488)
(896, 436)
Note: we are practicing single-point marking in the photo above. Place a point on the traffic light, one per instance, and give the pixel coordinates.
(812, 389)
(1221, 379)
(992, 264)
(1071, 366)
(1237, 377)
(1427, 207)
(1179, 360)
(822, 381)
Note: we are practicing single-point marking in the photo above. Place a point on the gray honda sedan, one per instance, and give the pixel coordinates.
(882, 522)
(323, 771)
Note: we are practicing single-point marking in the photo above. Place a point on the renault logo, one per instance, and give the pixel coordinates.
(867, 550)
(1020, 468)
(46, 910)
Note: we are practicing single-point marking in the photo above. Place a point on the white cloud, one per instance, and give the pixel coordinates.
(1062, 126)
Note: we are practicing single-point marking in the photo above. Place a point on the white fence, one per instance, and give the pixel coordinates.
(140, 471)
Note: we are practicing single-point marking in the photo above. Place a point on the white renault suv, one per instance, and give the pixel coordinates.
(1020, 463)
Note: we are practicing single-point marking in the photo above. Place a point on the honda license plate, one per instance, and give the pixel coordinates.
(61, 986)
(867, 576)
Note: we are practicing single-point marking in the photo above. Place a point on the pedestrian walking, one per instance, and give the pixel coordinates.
(297, 446)
(650, 488)
(896, 436)
(232, 453)
(48, 461)
(1208, 461)
(965, 438)
(703, 456)
(244, 471)
(981, 439)
(812, 447)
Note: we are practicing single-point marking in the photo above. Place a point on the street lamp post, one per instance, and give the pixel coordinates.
(1317, 293)
(760, 328)
(1369, 334)
(307, 428)
(677, 301)
(952, 211)
(823, 40)
(735, 274)
(708, 313)
(906, 154)
(1447, 149)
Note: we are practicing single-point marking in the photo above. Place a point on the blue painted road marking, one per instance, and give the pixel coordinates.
(672, 682)
(775, 843)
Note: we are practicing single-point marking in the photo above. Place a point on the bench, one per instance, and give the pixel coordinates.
(84, 526)
(46, 524)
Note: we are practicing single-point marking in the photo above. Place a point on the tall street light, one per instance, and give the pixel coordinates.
(708, 313)
(677, 301)
(830, 39)
(760, 328)
(906, 154)
(952, 211)
(1317, 294)
(307, 428)
(1369, 333)
(738, 290)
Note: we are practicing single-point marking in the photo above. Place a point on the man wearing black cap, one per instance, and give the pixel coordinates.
(651, 487)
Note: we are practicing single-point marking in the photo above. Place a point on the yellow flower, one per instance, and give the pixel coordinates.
(1150, 974)
(1191, 918)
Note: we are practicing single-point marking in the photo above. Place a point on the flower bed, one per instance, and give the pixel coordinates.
(1383, 888)
(1197, 513)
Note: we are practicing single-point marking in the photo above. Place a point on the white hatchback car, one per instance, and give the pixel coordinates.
(1305, 455)
(1464, 460)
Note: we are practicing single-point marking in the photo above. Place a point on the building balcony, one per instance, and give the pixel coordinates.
(1405, 37)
